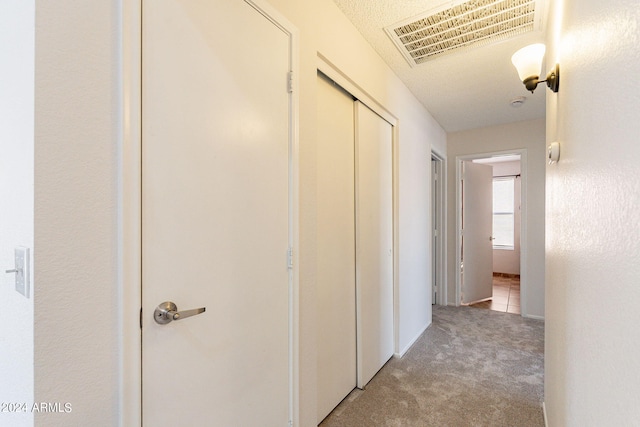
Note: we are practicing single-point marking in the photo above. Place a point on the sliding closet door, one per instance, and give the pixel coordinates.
(335, 247)
(374, 242)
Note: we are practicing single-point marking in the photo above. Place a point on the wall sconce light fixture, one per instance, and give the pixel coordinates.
(528, 62)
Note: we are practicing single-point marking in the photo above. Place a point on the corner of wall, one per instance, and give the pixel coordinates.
(16, 204)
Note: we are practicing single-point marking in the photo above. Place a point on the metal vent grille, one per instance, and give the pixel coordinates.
(472, 23)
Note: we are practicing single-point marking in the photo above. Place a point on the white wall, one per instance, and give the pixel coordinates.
(508, 261)
(417, 130)
(324, 29)
(527, 135)
(77, 170)
(593, 200)
(77, 92)
(17, 45)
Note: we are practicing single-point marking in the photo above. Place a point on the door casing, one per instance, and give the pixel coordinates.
(338, 76)
(439, 200)
(523, 223)
(327, 395)
(130, 202)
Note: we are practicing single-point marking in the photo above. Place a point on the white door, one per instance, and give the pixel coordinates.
(215, 220)
(336, 289)
(477, 226)
(374, 242)
(435, 209)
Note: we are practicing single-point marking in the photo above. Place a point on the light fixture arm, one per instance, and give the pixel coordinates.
(553, 80)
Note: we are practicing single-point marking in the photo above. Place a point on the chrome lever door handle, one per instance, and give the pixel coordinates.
(187, 313)
(168, 311)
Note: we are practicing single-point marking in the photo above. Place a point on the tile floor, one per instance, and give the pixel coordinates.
(506, 295)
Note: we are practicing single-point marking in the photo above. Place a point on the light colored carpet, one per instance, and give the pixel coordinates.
(471, 367)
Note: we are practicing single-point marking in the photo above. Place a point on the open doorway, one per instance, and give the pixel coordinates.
(506, 221)
(505, 240)
(438, 220)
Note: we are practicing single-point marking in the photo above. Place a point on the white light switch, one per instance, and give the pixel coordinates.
(22, 270)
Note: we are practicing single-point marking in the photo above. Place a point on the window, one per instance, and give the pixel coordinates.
(503, 213)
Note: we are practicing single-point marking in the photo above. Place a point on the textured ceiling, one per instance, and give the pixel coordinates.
(465, 90)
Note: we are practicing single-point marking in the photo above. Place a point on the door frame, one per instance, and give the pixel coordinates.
(130, 209)
(440, 228)
(326, 67)
(523, 223)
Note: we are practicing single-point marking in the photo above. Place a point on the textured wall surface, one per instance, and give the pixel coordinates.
(529, 135)
(344, 47)
(76, 212)
(16, 204)
(76, 175)
(593, 200)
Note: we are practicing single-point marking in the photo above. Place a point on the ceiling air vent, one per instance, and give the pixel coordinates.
(470, 24)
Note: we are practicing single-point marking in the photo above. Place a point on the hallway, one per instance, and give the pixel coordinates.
(470, 368)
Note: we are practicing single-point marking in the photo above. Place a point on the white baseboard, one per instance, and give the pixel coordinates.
(531, 316)
(544, 413)
(413, 341)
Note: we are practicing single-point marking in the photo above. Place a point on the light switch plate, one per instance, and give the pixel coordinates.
(22, 265)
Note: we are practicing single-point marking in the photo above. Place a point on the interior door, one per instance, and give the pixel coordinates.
(435, 208)
(336, 247)
(215, 215)
(477, 226)
(374, 242)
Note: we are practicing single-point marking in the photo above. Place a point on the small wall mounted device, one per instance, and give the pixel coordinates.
(553, 152)
(21, 270)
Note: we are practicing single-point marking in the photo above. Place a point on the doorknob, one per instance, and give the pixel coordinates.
(168, 311)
